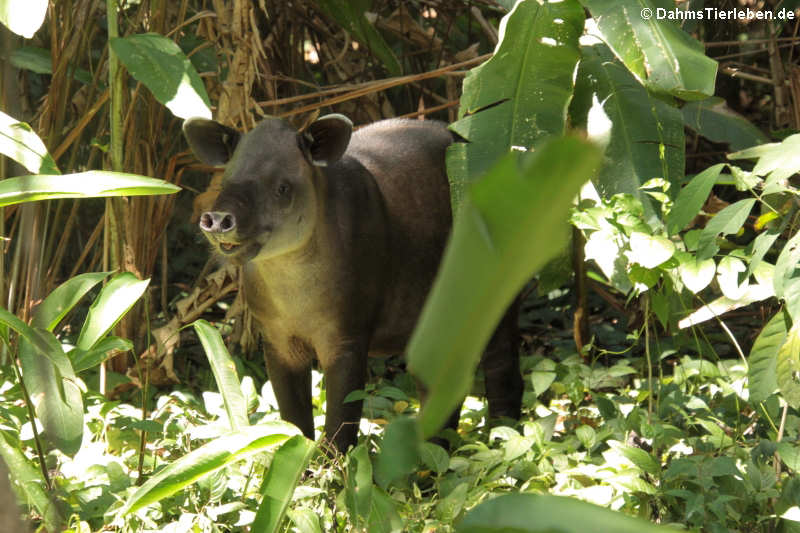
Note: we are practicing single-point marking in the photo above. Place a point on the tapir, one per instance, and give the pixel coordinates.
(340, 236)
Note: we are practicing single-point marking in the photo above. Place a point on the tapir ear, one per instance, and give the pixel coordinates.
(327, 138)
(211, 142)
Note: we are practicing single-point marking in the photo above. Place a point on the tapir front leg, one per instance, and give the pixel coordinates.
(345, 372)
(291, 382)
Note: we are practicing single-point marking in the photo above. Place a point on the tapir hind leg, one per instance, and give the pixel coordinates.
(501, 369)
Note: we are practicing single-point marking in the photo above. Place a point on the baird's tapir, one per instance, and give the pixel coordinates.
(340, 239)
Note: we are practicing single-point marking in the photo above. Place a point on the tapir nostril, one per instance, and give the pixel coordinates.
(219, 222)
(227, 223)
(206, 222)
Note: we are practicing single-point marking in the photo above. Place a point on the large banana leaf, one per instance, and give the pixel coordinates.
(520, 96)
(660, 54)
(647, 139)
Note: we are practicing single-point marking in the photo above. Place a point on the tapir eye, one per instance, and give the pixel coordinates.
(283, 189)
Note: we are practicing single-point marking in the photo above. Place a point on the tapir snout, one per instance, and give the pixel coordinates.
(340, 240)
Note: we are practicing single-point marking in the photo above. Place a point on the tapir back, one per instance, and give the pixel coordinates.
(407, 160)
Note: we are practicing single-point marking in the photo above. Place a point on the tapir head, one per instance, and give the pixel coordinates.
(268, 203)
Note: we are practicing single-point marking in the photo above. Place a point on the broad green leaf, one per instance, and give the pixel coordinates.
(790, 455)
(304, 520)
(43, 341)
(162, 67)
(762, 244)
(661, 55)
(19, 142)
(647, 134)
(207, 459)
(729, 272)
(350, 15)
(51, 383)
(786, 276)
(91, 184)
(649, 250)
(639, 457)
(787, 368)
(116, 298)
(605, 247)
(400, 451)
(520, 96)
(288, 464)
(23, 17)
(40, 61)
(696, 275)
(224, 370)
(358, 485)
(714, 120)
(56, 396)
(532, 513)
(729, 220)
(778, 160)
(28, 479)
(503, 233)
(691, 198)
(86, 359)
(59, 302)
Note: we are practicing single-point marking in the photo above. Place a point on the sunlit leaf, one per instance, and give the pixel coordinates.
(91, 184)
(162, 67)
(23, 17)
(19, 142)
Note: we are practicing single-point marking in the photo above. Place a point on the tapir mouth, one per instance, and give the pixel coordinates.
(229, 247)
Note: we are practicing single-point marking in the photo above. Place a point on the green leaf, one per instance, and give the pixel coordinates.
(778, 160)
(786, 277)
(86, 359)
(696, 275)
(729, 220)
(400, 451)
(19, 142)
(639, 457)
(787, 368)
(520, 96)
(51, 383)
(91, 184)
(754, 293)
(39, 60)
(56, 396)
(647, 134)
(662, 56)
(23, 17)
(162, 67)
(116, 298)
(59, 302)
(288, 464)
(531, 513)
(790, 455)
(729, 272)
(649, 250)
(358, 485)
(30, 484)
(503, 233)
(714, 120)
(350, 15)
(224, 370)
(43, 341)
(207, 459)
(691, 198)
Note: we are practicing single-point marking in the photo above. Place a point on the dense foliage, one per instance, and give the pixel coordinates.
(661, 365)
